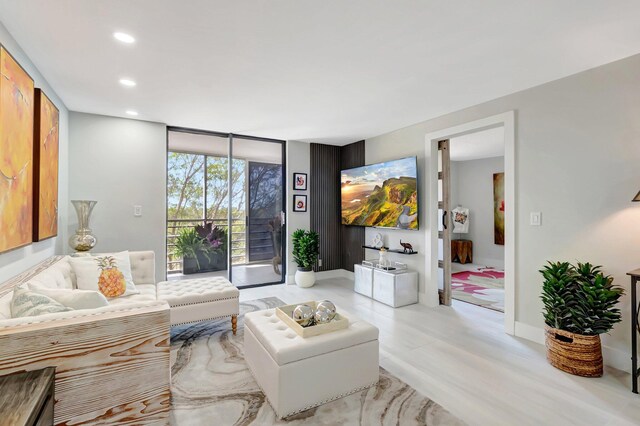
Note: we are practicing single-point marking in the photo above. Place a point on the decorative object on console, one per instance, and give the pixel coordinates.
(110, 274)
(636, 198)
(16, 154)
(406, 247)
(579, 305)
(305, 254)
(383, 261)
(460, 216)
(300, 181)
(83, 239)
(299, 203)
(498, 208)
(377, 241)
(45, 169)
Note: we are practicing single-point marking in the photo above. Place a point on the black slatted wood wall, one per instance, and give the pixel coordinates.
(340, 246)
(352, 236)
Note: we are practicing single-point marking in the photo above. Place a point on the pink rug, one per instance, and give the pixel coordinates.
(481, 286)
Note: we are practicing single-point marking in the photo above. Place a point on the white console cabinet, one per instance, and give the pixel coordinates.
(393, 288)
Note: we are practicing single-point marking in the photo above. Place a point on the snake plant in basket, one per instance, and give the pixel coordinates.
(579, 305)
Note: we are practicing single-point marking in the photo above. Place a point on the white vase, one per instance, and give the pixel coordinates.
(305, 279)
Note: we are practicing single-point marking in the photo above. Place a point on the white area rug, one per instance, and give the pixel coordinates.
(211, 385)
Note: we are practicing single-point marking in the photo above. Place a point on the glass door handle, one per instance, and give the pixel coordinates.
(283, 218)
(444, 219)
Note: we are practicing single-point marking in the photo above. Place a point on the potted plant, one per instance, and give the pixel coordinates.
(305, 254)
(190, 246)
(579, 305)
(214, 257)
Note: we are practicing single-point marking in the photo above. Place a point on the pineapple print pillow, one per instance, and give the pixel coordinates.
(110, 274)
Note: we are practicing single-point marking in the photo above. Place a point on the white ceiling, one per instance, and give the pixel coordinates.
(475, 146)
(329, 71)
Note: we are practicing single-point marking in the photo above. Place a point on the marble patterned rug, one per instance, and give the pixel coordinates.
(211, 385)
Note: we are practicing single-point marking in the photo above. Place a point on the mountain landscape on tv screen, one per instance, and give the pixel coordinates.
(383, 195)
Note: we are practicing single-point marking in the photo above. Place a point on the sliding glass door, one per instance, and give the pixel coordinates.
(225, 204)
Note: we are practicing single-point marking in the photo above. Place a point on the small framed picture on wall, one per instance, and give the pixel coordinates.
(299, 203)
(300, 181)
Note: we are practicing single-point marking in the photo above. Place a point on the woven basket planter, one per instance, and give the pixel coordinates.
(574, 353)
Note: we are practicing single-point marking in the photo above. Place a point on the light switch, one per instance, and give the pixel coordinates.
(536, 219)
(137, 211)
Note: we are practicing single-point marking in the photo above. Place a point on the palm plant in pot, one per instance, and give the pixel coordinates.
(190, 246)
(579, 305)
(305, 254)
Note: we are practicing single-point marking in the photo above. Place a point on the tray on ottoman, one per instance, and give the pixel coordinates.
(340, 322)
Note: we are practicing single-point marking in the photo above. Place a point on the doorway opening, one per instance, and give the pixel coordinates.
(476, 188)
(471, 249)
(225, 207)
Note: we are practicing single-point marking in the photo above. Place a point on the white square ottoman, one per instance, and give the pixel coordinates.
(200, 299)
(297, 373)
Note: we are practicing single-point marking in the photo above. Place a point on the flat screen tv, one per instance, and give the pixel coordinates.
(383, 195)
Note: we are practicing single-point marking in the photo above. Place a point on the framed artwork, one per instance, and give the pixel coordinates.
(45, 168)
(498, 208)
(299, 203)
(300, 181)
(16, 154)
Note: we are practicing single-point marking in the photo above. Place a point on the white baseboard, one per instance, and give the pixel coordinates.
(613, 357)
(324, 275)
(334, 273)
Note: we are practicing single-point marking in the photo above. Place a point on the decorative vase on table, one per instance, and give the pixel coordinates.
(83, 240)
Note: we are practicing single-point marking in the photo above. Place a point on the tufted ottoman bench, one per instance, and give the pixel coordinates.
(200, 299)
(297, 373)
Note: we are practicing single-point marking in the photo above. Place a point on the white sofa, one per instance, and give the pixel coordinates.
(112, 363)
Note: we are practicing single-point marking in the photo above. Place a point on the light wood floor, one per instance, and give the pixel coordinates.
(460, 357)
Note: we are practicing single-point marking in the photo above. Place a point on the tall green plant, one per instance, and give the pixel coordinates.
(579, 299)
(305, 248)
(188, 244)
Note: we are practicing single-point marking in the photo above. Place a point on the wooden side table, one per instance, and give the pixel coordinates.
(635, 328)
(27, 398)
(462, 251)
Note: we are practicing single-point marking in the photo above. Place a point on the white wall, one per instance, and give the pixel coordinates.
(18, 260)
(577, 161)
(121, 163)
(472, 187)
(298, 161)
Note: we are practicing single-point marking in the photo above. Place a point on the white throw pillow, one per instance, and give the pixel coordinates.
(110, 274)
(74, 299)
(26, 303)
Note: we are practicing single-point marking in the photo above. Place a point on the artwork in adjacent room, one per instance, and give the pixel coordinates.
(300, 181)
(45, 171)
(498, 208)
(16, 154)
(299, 203)
(381, 195)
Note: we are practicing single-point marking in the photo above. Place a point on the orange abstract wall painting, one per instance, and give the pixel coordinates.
(45, 170)
(16, 154)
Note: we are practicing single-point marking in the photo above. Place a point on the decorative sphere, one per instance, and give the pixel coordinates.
(303, 315)
(322, 316)
(328, 306)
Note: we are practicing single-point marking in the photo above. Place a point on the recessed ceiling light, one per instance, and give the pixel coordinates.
(124, 37)
(127, 82)
(132, 112)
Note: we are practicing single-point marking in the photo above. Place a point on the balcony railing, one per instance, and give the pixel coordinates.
(238, 240)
